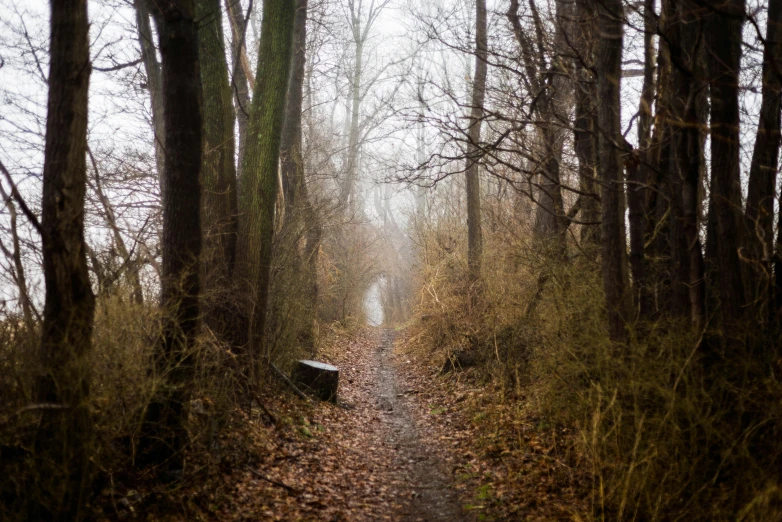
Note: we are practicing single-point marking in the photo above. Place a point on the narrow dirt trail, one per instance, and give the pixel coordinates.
(375, 456)
(416, 466)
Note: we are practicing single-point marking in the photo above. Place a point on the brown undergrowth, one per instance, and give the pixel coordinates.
(508, 463)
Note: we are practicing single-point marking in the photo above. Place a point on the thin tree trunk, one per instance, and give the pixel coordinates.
(29, 313)
(765, 160)
(131, 268)
(239, 78)
(259, 181)
(218, 172)
(154, 85)
(472, 170)
(609, 71)
(62, 443)
(585, 130)
(348, 185)
(164, 432)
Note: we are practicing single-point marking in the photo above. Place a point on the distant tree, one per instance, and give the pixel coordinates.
(472, 169)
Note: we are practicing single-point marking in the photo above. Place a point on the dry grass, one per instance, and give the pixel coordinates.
(666, 432)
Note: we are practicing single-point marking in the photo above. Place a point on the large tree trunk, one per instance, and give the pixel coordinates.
(472, 170)
(727, 231)
(765, 161)
(609, 71)
(62, 443)
(164, 431)
(218, 172)
(683, 41)
(300, 214)
(259, 179)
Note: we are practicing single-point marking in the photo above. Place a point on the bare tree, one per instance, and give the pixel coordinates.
(64, 434)
(164, 431)
(472, 170)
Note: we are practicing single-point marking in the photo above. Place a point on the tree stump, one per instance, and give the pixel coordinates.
(320, 378)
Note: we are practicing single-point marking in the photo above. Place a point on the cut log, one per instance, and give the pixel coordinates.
(319, 378)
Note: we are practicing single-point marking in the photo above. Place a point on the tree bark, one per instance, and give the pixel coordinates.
(164, 434)
(299, 212)
(683, 32)
(584, 132)
(239, 80)
(218, 172)
(724, 57)
(638, 176)
(765, 161)
(609, 71)
(62, 442)
(472, 170)
(154, 85)
(259, 182)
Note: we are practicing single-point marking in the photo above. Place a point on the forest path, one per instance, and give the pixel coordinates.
(377, 455)
(416, 467)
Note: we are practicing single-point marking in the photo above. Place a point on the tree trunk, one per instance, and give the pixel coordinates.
(299, 210)
(62, 443)
(638, 176)
(259, 181)
(164, 434)
(472, 170)
(683, 41)
(609, 71)
(584, 132)
(239, 81)
(348, 185)
(724, 57)
(765, 161)
(154, 85)
(218, 172)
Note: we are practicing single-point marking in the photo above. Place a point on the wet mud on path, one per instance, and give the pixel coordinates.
(417, 468)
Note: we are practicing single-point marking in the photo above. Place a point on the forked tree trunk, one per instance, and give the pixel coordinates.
(472, 171)
(240, 88)
(62, 442)
(259, 179)
(609, 71)
(164, 434)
